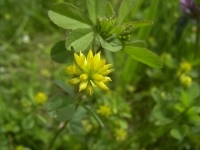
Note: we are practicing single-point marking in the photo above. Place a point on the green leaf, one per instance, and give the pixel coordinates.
(138, 43)
(65, 87)
(137, 24)
(150, 14)
(175, 133)
(126, 8)
(79, 39)
(28, 122)
(193, 92)
(159, 116)
(75, 125)
(68, 16)
(60, 54)
(143, 55)
(61, 107)
(96, 8)
(155, 93)
(109, 46)
(109, 10)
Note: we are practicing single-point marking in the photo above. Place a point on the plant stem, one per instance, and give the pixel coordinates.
(56, 135)
(198, 37)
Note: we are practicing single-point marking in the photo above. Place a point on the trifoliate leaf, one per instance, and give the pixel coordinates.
(61, 107)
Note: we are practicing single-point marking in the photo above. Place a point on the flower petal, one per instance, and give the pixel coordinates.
(80, 60)
(105, 68)
(83, 85)
(84, 76)
(101, 85)
(89, 89)
(74, 81)
(99, 64)
(97, 77)
(106, 79)
(89, 60)
(107, 72)
(97, 57)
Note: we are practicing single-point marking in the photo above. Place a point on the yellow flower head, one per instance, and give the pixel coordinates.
(104, 110)
(45, 73)
(185, 67)
(91, 71)
(19, 147)
(186, 80)
(40, 98)
(120, 134)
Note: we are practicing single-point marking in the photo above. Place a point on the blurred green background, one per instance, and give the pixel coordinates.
(146, 109)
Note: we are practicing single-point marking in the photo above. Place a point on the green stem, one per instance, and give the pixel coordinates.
(198, 37)
(56, 135)
(94, 115)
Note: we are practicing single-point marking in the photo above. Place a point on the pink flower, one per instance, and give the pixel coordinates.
(189, 7)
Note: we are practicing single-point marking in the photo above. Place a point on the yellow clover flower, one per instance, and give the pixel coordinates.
(104, 110)
(91, 71)
(185, 80)
(185, 66)
(19, 147)
(120, 134)
(40, 98)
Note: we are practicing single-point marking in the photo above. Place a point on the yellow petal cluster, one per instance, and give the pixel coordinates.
(120, 134)
(104, 110)
(19, 147)
(40, 98)
(185, 66)
(89, 71)
(185, 80)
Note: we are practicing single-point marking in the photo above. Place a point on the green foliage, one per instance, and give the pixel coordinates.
(59, 106)
(109, 46)
(112, 34)
(67, 16)
(59, 53)
(146, 108)
(79, 39)
(126, 8)
(95, 10)
(143, 55)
